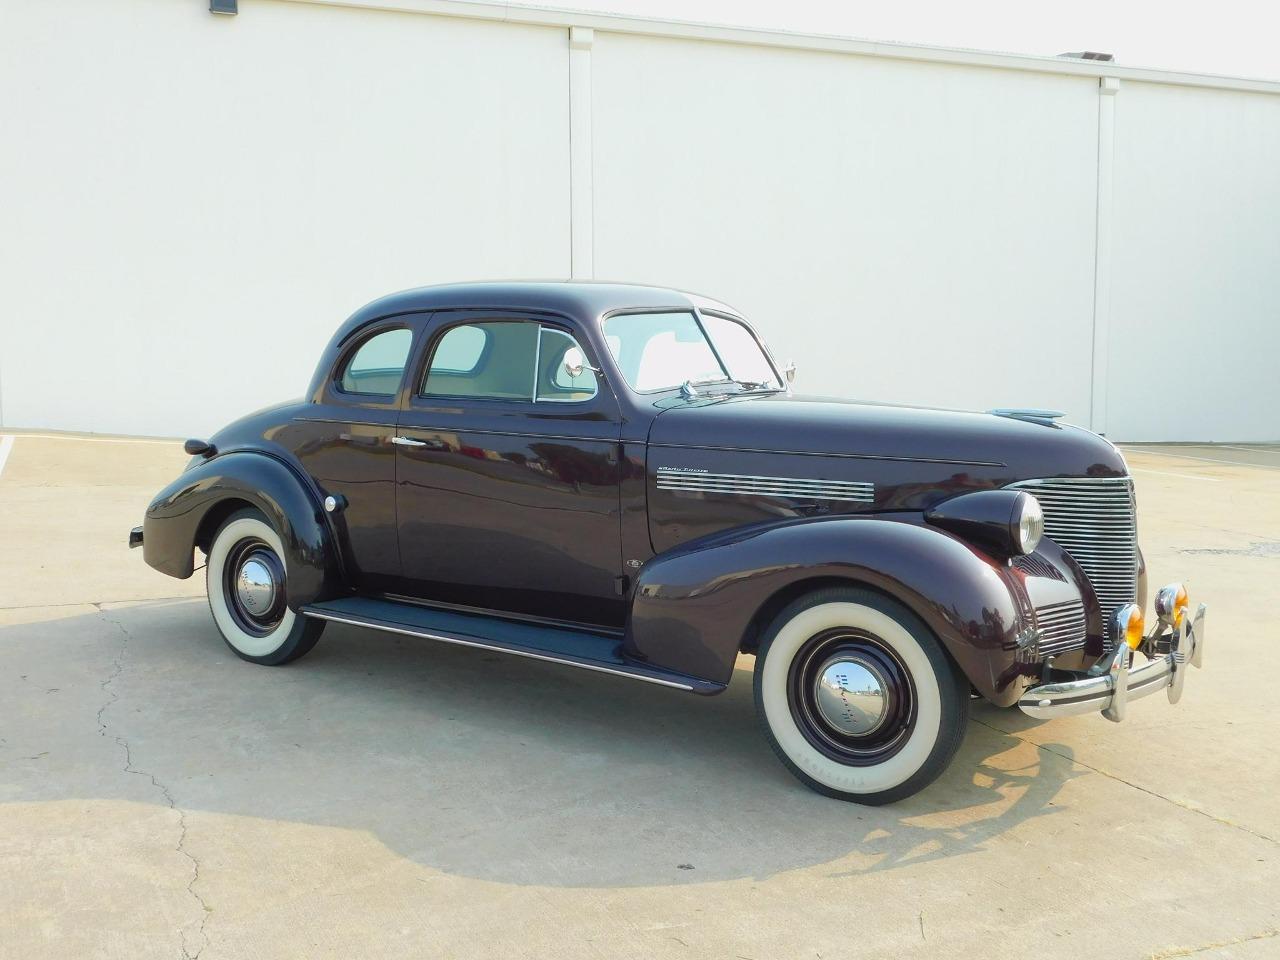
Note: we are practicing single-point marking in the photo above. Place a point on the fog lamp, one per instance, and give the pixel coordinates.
(1171, 604)
(1127, 625)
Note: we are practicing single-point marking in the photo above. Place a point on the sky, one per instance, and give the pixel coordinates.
(1238, 38)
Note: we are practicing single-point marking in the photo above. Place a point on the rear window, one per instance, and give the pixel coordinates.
(377, 366)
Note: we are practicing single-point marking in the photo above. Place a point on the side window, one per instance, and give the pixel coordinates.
(493, 359)
(563, 373)
(508, 360)
(376, 368)
(460, 349)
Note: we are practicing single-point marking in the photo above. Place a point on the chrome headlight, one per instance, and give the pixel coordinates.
(1030, 524)
(1009, 522)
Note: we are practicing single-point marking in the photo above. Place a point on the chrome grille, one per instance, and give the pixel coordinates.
(674, 478)
(1092, 518)
(1061, 627)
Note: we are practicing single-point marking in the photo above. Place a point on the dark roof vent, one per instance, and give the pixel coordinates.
(1090, 55)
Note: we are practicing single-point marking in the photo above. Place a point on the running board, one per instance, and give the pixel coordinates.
(576, 648)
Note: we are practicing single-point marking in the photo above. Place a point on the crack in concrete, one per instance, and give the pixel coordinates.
(1129, 783)
(96, 603)
(123, 743)
(1259, 548)
(1192, 951)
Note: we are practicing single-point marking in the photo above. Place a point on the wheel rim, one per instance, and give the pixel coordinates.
(851, 697)
(253, 583)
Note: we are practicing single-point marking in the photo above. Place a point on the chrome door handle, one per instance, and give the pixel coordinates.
(408, 442)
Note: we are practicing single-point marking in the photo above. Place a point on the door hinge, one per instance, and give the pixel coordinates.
(621, 585)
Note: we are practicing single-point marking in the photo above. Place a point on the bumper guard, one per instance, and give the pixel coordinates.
(1114, 681)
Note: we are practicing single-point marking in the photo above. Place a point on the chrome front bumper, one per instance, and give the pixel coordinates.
(1114, 681)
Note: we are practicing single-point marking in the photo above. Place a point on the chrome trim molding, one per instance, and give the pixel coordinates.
(690, 481)
(480, 645)
(1093, 519)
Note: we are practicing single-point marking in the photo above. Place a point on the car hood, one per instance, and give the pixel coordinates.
(900, 444)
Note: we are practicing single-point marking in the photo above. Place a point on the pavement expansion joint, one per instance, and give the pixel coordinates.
(1129, 783)
(1216, 945)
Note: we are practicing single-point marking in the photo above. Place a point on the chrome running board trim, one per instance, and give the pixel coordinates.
(389, 617)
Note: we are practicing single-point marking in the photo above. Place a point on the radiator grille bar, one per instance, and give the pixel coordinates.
(1093, 519)
(1061, 627)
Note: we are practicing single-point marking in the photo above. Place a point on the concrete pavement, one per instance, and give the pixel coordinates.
(385, 797)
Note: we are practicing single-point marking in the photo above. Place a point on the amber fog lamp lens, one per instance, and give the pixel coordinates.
(1127, 625)
(1133, 629)
(1171, 604)
(1180, 606)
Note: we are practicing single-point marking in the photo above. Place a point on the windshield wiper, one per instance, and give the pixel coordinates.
(690, 387)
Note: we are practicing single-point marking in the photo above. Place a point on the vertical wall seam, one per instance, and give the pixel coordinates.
(581, 179)
(1099, 370)
(569, 167)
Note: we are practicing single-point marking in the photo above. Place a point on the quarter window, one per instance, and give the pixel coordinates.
(376, 368)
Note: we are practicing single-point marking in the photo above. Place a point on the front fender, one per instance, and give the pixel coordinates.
(693, 606)
(175, 517)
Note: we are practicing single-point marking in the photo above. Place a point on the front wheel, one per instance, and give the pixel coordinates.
(245, 576)
(858, 697)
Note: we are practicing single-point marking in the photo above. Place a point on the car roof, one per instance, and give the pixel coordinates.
(583, 299)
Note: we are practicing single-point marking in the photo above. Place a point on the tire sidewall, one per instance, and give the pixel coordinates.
(933, 738)
(278, 644)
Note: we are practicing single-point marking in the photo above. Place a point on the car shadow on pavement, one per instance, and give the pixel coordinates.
(483, 765)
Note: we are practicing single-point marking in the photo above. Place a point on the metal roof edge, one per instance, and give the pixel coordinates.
(752, 36)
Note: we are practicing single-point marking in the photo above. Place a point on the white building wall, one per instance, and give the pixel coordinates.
(1196, 268)
(189, 204)
(908, 232)
(193, 203)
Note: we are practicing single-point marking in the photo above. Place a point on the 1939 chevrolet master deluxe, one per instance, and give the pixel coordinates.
(619, 478)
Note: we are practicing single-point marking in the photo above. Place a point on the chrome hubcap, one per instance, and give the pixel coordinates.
(256, 586)
(851, 695)
(253, 585)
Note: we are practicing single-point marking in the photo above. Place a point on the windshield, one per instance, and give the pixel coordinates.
(657, 351)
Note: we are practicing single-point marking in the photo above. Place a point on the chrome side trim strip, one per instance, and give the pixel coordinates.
(835, 456)
(480, 645)
(674, 478)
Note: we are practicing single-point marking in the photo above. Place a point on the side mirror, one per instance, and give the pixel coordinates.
(789, 371)
(574, 362)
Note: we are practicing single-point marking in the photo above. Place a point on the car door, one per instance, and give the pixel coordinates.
(507, 471)
(344, 442)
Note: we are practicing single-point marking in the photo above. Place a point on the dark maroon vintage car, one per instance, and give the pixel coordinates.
(620, 478)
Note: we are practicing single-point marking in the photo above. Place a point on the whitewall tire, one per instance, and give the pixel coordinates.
(858, 697)
(245, 577)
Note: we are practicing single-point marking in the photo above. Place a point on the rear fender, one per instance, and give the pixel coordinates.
(176, 520)
(693, 606)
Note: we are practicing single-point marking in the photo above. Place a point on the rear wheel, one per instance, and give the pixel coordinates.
(858, 697)
(245, 576)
